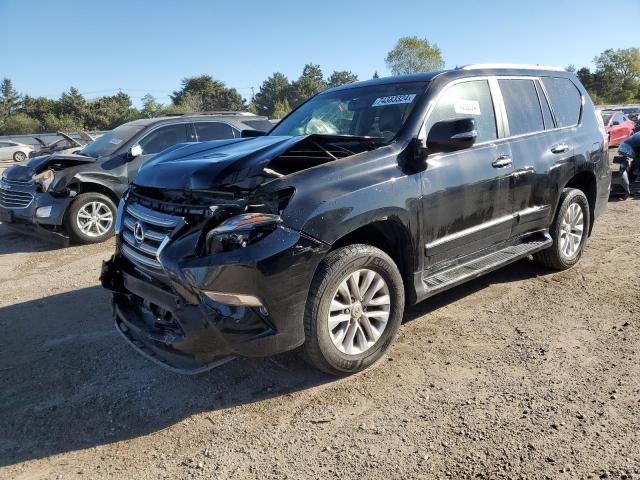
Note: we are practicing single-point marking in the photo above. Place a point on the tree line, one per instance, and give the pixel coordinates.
(615, 79)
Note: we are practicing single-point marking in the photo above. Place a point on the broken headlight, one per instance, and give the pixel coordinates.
(44, 179)
(240, 231)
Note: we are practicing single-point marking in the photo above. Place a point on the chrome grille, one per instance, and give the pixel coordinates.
(143, 232)
(11, 196)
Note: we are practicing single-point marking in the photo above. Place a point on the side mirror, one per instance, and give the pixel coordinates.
(135, 151)
(252, 133)
(452, 135)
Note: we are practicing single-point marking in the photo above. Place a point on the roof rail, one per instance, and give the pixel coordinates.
(528, 66)
(220, 112)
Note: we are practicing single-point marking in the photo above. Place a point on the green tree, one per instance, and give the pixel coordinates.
(341, 77)
(61, 123)
(273, 93)
(108, 112)
(623, 62)
(412, 55)
(38, 108)
(20, 123)
(151, 107)
(280, 109)
(308, 84)
(616, 78)
(73, 105)
(205, 93)
(9, 99)
(375, 75)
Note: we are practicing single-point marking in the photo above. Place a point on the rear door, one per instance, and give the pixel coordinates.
(465, 193)
(530, 131)
(157, 140)
(617, 129)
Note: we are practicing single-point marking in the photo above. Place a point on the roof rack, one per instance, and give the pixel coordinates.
(528, 66)
(211, 112)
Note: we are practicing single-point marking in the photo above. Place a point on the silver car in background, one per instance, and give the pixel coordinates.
(18, 152)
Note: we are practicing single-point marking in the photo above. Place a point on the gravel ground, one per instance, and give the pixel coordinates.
(522, 373)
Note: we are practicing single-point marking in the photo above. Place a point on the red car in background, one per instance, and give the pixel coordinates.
(618, 126)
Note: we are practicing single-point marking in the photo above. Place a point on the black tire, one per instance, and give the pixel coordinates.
(553, 257)
(19, 157)
(318, 349)
(71, 222)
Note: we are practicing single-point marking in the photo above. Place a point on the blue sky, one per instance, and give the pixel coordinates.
(149, 46)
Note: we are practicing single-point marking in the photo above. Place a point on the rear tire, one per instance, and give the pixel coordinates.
(569, 231)
(342, 335)
(91, 218)
(19, 157)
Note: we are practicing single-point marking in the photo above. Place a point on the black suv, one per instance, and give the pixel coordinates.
(77, 194)
(364, 199)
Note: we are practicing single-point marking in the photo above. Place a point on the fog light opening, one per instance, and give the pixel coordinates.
(43, 212)
(237, 299)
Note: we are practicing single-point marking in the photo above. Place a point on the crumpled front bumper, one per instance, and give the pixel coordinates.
(168, 318)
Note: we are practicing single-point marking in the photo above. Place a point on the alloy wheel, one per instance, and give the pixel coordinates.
(94, 219)
(359, 311)
(571, 230)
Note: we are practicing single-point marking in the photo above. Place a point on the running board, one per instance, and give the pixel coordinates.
(453, 276)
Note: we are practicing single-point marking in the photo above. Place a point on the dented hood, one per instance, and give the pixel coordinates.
(38, 164)
(237, 163)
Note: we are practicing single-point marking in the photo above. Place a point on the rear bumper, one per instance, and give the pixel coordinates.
(169, 319)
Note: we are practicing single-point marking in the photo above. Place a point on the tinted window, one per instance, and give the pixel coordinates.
(546, 111)
(617, 118)
(214, 131)
(264, 125)
(463, 100)
(164, 138)
(566, 100)
(523, 106)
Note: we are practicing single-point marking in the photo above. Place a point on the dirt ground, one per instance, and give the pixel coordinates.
(524, 373)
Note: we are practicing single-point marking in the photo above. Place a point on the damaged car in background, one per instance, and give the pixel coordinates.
(365, 198)
(76, 194)
(66, 144)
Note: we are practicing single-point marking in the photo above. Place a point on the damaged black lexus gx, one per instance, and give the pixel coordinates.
(366, 198)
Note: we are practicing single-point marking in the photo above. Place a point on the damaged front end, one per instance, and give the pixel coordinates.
(202, 277)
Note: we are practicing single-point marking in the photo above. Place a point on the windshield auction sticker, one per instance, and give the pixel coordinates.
(393, 100)
(466, 107)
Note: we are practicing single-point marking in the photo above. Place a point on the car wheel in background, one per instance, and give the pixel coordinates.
(91, 218)
(569, 230)
(19, 157)
(353, 311)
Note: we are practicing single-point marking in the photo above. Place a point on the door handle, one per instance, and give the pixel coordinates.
(560, 148)
(502, 161)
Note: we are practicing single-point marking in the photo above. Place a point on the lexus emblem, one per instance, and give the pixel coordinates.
(138, 232)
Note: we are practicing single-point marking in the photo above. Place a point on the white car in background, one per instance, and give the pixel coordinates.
(14, 150)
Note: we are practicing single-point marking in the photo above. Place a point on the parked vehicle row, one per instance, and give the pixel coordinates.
(364, 199)
(76, 193)
(618, 126)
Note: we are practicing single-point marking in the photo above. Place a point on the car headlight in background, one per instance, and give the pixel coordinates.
(240, 231)
(44, 179)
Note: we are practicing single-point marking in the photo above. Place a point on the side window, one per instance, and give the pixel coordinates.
(522, 105)
(566, 100)
(164, 138)
(467, 99)
(214, 131)
(546, 111)
(5, 144)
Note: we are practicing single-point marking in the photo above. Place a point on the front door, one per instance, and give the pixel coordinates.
(466, 193)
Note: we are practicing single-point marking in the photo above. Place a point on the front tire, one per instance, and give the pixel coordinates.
(569, 231)
(19, 157)
(91, 218)
(353, 311)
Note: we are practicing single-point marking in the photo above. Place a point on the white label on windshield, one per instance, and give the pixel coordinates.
(393, 100)
(466, 107)
(115, 141)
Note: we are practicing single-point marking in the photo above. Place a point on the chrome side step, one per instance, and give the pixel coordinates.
(458, 274)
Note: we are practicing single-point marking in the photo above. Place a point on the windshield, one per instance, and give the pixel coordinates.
(111, 141)
(377, 111)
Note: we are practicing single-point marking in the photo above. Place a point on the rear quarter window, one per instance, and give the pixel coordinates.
(566, 100)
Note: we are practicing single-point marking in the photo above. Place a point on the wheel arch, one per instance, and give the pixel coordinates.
(94, 187)
(586, 182)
